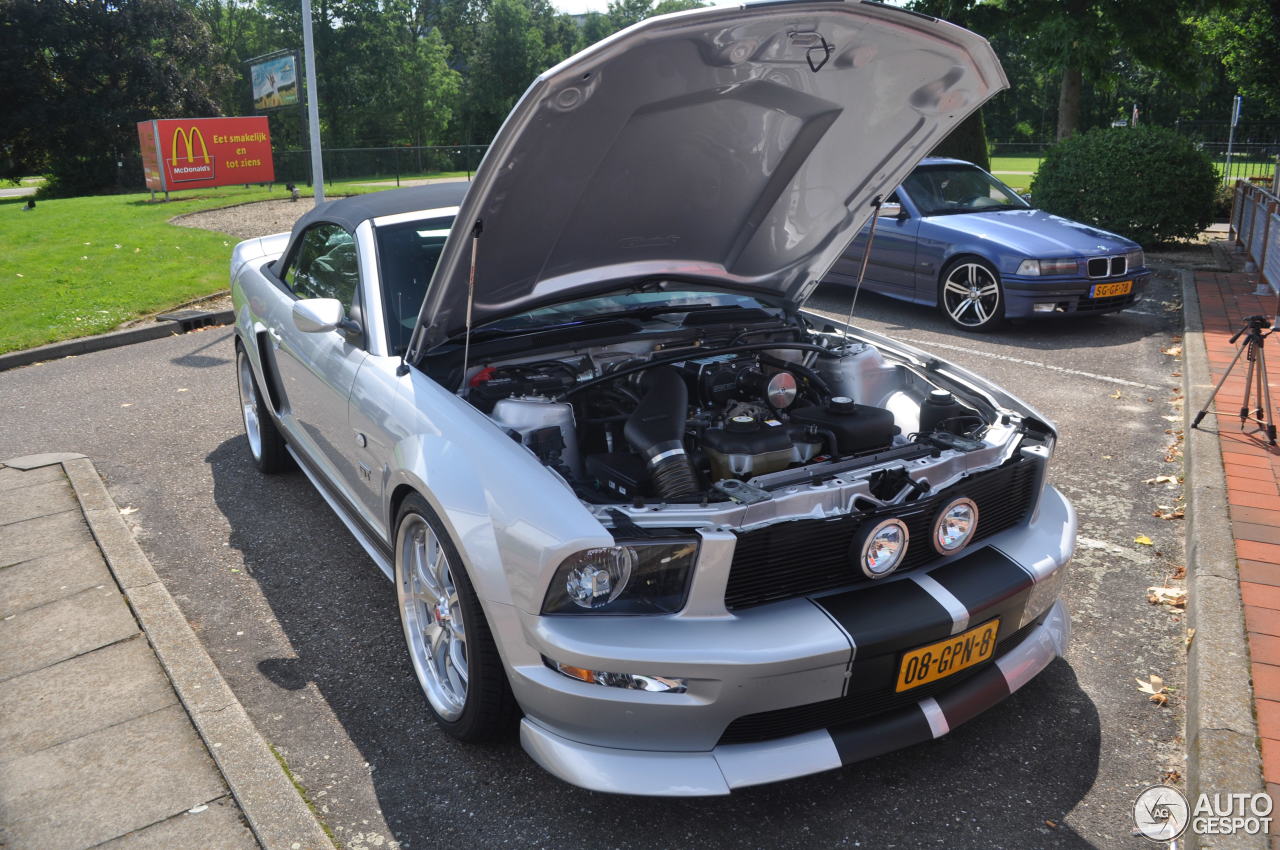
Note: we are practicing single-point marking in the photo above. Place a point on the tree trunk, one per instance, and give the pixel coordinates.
(967, 141)
(1069, 102)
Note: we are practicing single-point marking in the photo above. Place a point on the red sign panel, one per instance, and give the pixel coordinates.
(196, 153)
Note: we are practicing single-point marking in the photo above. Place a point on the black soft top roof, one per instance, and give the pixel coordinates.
(349, 212)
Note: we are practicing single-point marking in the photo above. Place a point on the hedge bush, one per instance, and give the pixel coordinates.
(1147, 183)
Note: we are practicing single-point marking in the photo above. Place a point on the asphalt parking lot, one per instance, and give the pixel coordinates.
(304, 628)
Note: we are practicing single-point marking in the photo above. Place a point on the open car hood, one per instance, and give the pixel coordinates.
(736, 147)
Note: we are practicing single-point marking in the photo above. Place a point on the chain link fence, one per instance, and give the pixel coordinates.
(378, 164)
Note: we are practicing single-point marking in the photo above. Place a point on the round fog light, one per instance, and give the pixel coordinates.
(955, 525)
(883, 548)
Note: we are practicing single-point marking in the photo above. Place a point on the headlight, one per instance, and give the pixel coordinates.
(1035, 268)
(955, 526)
(1134, 260)
(883, 546)
(633, 577)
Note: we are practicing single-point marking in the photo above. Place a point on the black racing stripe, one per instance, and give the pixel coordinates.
(888, 617)
(983, 580)
(970, 698)
(886, 733)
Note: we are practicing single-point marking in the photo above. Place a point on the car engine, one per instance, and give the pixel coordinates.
(626, 425)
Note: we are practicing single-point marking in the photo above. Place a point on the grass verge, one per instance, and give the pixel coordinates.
(75, 267)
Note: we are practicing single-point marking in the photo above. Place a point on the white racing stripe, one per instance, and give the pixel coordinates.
(937, 719)
(959, 613)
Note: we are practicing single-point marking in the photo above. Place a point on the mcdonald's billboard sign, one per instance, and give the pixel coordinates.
(196, 153)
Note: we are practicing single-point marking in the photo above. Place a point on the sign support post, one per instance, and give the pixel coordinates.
(313, 109)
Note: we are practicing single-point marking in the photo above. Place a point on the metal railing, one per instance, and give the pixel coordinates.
(1255, 227)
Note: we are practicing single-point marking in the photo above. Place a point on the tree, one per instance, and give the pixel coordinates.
(1079, 40)
(1247, 37)
(509, 54)
(77, 75)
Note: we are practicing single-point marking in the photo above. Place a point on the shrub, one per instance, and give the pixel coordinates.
(1147, 183)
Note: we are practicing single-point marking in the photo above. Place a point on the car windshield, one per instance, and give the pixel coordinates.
(625, 304)
(950, 189)
(407, 256)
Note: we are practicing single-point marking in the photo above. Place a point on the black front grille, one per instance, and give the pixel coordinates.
(853, 707)
(800, 557)
(1107, 266)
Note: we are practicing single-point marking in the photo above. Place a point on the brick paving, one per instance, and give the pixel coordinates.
(1253, 491)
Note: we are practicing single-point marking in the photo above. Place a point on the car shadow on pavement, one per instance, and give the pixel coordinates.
(1009, 778)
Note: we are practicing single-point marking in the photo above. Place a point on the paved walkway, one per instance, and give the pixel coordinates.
(1252, 470)
(102, 742)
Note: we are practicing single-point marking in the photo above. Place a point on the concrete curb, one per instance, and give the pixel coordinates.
(89, 344)
(1222, 733)
(276, 812)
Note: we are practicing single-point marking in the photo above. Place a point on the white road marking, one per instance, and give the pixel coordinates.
(926, 345)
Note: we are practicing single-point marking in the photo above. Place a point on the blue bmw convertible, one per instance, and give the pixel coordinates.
(955, 237)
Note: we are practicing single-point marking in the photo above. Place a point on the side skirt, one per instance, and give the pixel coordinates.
(380, 554)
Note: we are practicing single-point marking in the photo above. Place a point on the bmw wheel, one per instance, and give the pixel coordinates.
(266, 445)
(453, 652)
(971, 296)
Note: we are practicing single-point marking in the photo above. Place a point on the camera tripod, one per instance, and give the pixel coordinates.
(1255, 378)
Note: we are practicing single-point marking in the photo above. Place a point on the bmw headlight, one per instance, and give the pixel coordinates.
(1134, 260)
(1035, 268)
(633, 577)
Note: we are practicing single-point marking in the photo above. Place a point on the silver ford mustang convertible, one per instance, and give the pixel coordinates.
(634, 497)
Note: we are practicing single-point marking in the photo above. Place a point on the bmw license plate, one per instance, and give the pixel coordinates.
(939, 660)
(1110, 290)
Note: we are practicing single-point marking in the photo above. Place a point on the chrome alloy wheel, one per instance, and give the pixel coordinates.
(432, 615)
(971, 295)
(249, 404)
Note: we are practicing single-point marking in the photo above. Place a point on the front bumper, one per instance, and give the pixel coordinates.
(787, 688)
(1066, 296)
(730, 766)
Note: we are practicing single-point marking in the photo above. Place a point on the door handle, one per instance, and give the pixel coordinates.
(276, 339)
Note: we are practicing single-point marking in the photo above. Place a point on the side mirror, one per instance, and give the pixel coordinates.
(1026, 196)
(888, 210)
(321, 315)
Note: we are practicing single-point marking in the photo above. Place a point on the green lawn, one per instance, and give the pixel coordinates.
(1015, 171)
(79, 266)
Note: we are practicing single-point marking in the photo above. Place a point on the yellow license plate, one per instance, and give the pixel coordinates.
(939, 660)
(1108, 290)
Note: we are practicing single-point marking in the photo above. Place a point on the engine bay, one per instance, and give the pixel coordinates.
(632, 423)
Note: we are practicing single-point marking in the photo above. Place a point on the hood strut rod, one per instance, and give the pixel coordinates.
(471, 297)
(866, 255)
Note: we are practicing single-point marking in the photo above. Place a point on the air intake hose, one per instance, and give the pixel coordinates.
(656, 431)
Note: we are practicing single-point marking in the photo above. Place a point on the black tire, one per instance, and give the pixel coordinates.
(971, 295)
(487, 709)
(266, 443)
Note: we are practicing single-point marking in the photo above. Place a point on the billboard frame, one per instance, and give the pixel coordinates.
(297, 78)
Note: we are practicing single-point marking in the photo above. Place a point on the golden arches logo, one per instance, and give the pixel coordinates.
(189, 139)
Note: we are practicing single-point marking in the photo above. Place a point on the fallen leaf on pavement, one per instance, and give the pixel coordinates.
(1172, 350)
(1162, 479)
(127, 511)
(1191, 635)
(1117, 394)
(1154, 689)
(1143, 540)
(1174, 597)
(1168, 513)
